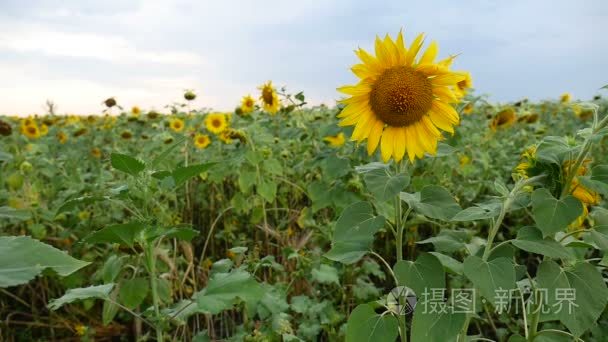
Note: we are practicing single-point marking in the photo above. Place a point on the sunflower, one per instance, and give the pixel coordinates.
(565, 98)
(247, 104)
(269, 98)
(335, 140)
(135, 111)
(216, 123)
(201, 141)
(5, 128)
(401, 101)
(62, 137)
(463, 86)
(126, 135)
(225, 136)
(504, 118)
(96, 152)
(31, 131)
(468, 109)
(528, 118)
(176, 125)
(581, 112)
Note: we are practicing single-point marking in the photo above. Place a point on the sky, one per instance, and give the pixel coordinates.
(77, 53)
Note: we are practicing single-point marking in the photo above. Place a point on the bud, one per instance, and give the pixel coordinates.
(189, 95)
(25, 167)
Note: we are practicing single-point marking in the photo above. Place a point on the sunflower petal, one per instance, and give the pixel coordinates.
(409, 142)
(432, 69)
(430, 54)
(399, 42)
(414, 48)
(447, 79)
(354, 109)
(446, 110)
(363, 126)
(386, 144)
(356, 90)
(374, 137)
(399, 143)
(445, 94)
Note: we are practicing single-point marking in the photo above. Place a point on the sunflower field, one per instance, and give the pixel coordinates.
(412, 210)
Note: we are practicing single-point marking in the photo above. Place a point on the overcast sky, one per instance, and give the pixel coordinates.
(147, 52)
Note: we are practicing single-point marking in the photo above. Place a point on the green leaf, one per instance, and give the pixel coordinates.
(246, 180)
(383, 185)
(598, 181)
(599, 235)
(335, 167)
(552, 150)
(164, 154)
(23, 258)
(111, 269)
(84, 200)
(183, 232)
(421, 276)
(530, 239)
(72, 295)
(588, 287)
(224, 288)
(448, 240)
(435, 326)
(365, 325)
(354, 233)
(476, 213)
(124, 234)
(450, 264)
(433, 202)
(133, 292)
(273, 166)
(182, 174)
(267, 189)
(325, 274)
(552, 215)
(489, 276)
(14, 214)
(127, 164)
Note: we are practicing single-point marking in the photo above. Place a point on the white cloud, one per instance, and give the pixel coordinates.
(109, 48)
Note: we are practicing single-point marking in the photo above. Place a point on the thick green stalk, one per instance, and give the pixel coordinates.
(151, 263)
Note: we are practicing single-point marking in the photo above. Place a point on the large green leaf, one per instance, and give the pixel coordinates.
(23, 258)
(435, 325)
(224, 288)
(424, 274)
(448, 240)
(133, 292)
(553, 215)
(267, 189)
(587, 287)
(383, 185)
(124, 234)
(14, 214)
(599, 235)
(598, 181)
(72, 295)
(325, 274)
(365, 325)
(354, 233)
(490, 276)
(182, 174)
(530, 239)
(433, 201)
(127, 164)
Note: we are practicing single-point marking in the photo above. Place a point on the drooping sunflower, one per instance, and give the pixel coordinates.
(463, 86)
(96, 152)
(201, 141)
(269, 98)
(247, 104)
(401, 101)
(504, 118)
(565, 98)
(225, 136)
(62, 137)
(176, 125)
(216, 123)
(335, 140)
(126, 134)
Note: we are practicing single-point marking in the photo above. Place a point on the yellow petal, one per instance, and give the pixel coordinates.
(363, 126)
(409, 142)
(370, 61)
(414, 48)
(445, 94)
(354, 99)
(432, 69)
(362, 88)
(447, 79)
(399, 143)
(441, 122)
(382, 53)
(374, 137)
(353, 109)
(386, 145)
(352, 119)
(363, 72)
(401, 48)
(429, 127)
(430, 54)
(446, 110)
(393, 53)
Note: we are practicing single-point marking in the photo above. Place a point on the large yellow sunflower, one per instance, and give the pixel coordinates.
(269, 98)
(247, 104)
(31, 131)
(176, 124)
(401, 101)
(216, 122)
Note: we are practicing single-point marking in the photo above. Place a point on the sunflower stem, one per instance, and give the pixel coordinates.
(399, 226)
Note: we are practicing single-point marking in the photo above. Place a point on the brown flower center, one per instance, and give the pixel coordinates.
(401, 96)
